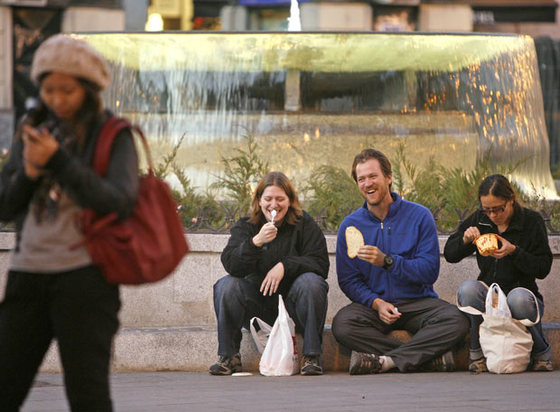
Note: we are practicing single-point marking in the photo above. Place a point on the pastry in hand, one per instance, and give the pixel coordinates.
(487, 243)
(354, 241)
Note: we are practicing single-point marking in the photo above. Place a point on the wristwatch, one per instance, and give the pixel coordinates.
(387, 261)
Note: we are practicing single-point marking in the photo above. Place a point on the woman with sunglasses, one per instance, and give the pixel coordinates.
(522, 257)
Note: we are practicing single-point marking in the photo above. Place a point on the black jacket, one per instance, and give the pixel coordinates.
(532, 259)
(301, 248)
(116, 192)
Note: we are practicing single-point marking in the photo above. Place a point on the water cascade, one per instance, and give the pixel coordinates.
(294, 21)
(311, 99)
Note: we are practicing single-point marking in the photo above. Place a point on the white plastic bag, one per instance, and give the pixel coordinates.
(496, 302)
(260, 330)
(279, 357)
(505, 342)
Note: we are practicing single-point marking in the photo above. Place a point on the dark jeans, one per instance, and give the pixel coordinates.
(522, 305)
(237, 300)
(77, 308)
(435, 325)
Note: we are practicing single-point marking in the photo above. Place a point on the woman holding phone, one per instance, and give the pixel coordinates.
(53, 291)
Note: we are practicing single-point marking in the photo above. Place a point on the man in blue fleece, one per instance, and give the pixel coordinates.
(390, 281)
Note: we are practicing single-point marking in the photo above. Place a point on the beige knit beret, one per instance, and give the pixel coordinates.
(64, 54)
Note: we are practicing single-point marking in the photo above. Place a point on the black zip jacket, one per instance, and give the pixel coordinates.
(116, 192)
(531, 260)
(301, 248)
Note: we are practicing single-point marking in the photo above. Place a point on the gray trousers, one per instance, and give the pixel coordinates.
(435, 325)
(237, 300)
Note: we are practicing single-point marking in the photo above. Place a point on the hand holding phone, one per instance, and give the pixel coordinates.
(31, 134)
(39, 146)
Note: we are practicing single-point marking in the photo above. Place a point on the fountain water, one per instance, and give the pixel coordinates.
(294, 21)
(311, 99)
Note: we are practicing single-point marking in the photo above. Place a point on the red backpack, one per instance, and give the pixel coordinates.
(151, 243)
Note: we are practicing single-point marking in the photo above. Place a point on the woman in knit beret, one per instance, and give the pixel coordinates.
(53, 291)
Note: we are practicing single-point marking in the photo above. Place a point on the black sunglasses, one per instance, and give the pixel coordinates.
(495, 210)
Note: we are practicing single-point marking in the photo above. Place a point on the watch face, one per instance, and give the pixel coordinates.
(388, 260)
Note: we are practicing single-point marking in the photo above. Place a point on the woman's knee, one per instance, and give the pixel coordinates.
(522, 304)
(310, 284)
(472, 293)
(227, 286)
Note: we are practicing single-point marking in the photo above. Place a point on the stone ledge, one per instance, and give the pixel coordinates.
(200, 242)
(215, 243)
(194, 349)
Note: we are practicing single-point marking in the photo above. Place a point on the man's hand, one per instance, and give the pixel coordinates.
(387, 312)
(372, 254)
(266, 235)
(272, 280)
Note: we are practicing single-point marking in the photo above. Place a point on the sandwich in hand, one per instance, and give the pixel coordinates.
(354, 241)
(486, 243)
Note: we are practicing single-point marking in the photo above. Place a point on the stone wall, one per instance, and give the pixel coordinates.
(171, 325)
(185, 299)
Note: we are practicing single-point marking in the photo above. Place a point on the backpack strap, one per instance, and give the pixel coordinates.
(111, 128)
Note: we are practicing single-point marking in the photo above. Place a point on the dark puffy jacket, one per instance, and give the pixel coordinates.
(532, 259)
(301, 248)
(116, 192)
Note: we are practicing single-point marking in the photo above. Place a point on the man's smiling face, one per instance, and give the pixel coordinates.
(373, 185)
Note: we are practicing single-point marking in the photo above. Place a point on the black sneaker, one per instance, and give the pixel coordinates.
(364, 363)
(443, 363)
(226, 365)
(311, 366)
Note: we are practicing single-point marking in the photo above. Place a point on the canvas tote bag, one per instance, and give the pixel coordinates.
(505, 342)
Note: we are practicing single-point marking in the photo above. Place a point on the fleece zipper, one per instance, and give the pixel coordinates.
(386, 242)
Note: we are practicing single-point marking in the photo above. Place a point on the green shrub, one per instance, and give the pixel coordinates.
(195, 210)
(555, 170)
(549, 210)
(242, 173)
(332, 194)
(451, 194)
(425, 183)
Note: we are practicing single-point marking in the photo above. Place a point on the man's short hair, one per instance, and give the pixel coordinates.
(367, 154)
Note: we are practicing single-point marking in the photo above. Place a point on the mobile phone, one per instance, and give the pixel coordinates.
(30, 136)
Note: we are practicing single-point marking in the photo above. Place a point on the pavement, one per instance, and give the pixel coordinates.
(334, 391)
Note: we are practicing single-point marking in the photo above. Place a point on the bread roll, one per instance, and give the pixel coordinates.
(354, 241)
(486, 243)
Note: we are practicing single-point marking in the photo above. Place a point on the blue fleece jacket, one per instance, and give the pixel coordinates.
(408, 233)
